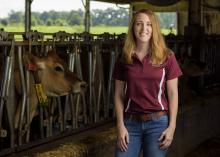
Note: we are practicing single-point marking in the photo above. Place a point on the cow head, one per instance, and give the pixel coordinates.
(192, 67)
(192, 70)
(54, 75)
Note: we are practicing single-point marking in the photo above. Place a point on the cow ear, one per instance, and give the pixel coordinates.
(30, 60)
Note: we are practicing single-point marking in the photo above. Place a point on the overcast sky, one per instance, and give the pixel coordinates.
(45, 5)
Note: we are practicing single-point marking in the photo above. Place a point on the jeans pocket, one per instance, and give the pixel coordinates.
(162, 119)
(131, 125)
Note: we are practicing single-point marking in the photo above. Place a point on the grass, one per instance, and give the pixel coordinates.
(74, 29)
(69, 29)
(110, 29)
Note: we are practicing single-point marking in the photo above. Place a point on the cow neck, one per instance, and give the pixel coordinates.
(33, 68)
(41, 96)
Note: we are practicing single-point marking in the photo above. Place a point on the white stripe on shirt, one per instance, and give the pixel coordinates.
(129, 100)
(160, 90)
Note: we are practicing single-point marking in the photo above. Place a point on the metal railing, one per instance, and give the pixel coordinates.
(91, 57)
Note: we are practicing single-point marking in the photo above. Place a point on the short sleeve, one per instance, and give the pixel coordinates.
(118, 73)
(172, 68)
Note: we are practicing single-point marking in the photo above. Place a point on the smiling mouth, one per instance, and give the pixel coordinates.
(144, 35)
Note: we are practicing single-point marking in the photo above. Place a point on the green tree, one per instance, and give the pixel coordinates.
(75, 17)
(61, 22)
(34, 21)
(16, 17)
(110, 16)
(4, 22)
(97, 16)
(49, 22)
(167, 19)
(36, 16)
(44, 16)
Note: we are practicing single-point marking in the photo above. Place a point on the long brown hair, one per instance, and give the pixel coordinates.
(159, 50)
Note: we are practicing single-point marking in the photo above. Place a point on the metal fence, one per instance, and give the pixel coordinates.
(91, 57)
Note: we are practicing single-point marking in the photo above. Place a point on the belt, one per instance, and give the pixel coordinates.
(145, 116)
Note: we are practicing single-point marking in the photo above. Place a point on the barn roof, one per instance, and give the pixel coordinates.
(214, 4)
(120, 1)
(155, 2)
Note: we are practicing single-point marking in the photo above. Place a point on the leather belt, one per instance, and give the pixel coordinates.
(145, 116)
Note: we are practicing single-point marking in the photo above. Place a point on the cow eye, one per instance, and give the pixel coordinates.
(59, 68)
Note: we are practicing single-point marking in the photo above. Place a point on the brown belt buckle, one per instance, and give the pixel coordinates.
(157, 115)
(146, 117)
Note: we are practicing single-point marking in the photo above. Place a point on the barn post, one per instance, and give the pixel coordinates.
(87, 16)
(28, 15)
(194, 29)
(195, 32)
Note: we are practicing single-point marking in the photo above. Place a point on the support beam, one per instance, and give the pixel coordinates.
(28, 15)
(194, 30)
(87, 16)
(194, 11)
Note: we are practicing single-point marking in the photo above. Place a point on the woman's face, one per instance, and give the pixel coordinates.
(142, 28)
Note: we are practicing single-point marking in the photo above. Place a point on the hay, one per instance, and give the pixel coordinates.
(83, 146)
(66, 150)
(101, 137)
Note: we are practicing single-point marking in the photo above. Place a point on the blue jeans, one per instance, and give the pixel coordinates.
(144, 135)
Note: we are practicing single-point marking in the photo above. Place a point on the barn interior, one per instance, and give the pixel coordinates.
(83, 123)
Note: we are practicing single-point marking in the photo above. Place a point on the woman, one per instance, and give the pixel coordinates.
(145, 119)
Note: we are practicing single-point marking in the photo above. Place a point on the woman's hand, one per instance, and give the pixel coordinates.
(123, 138)
(166, 138)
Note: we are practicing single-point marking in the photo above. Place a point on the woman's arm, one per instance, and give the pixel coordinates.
(119, 108)
(172, 91)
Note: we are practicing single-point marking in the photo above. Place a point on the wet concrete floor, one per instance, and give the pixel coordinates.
(209, 148)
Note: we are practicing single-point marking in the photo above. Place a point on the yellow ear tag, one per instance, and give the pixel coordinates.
(41, 96)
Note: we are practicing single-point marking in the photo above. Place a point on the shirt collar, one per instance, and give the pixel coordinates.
(134, 56)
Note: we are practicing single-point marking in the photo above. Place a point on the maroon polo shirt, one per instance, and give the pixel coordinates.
(145, 83)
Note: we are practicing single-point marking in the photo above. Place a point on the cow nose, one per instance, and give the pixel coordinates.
(83, 85)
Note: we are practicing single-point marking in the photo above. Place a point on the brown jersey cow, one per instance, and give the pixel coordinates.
(55, 78)
(190, 68)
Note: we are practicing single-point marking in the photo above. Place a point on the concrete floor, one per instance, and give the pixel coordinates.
(209, 148)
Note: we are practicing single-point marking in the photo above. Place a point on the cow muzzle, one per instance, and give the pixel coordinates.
(83, 85)
(79, 87)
